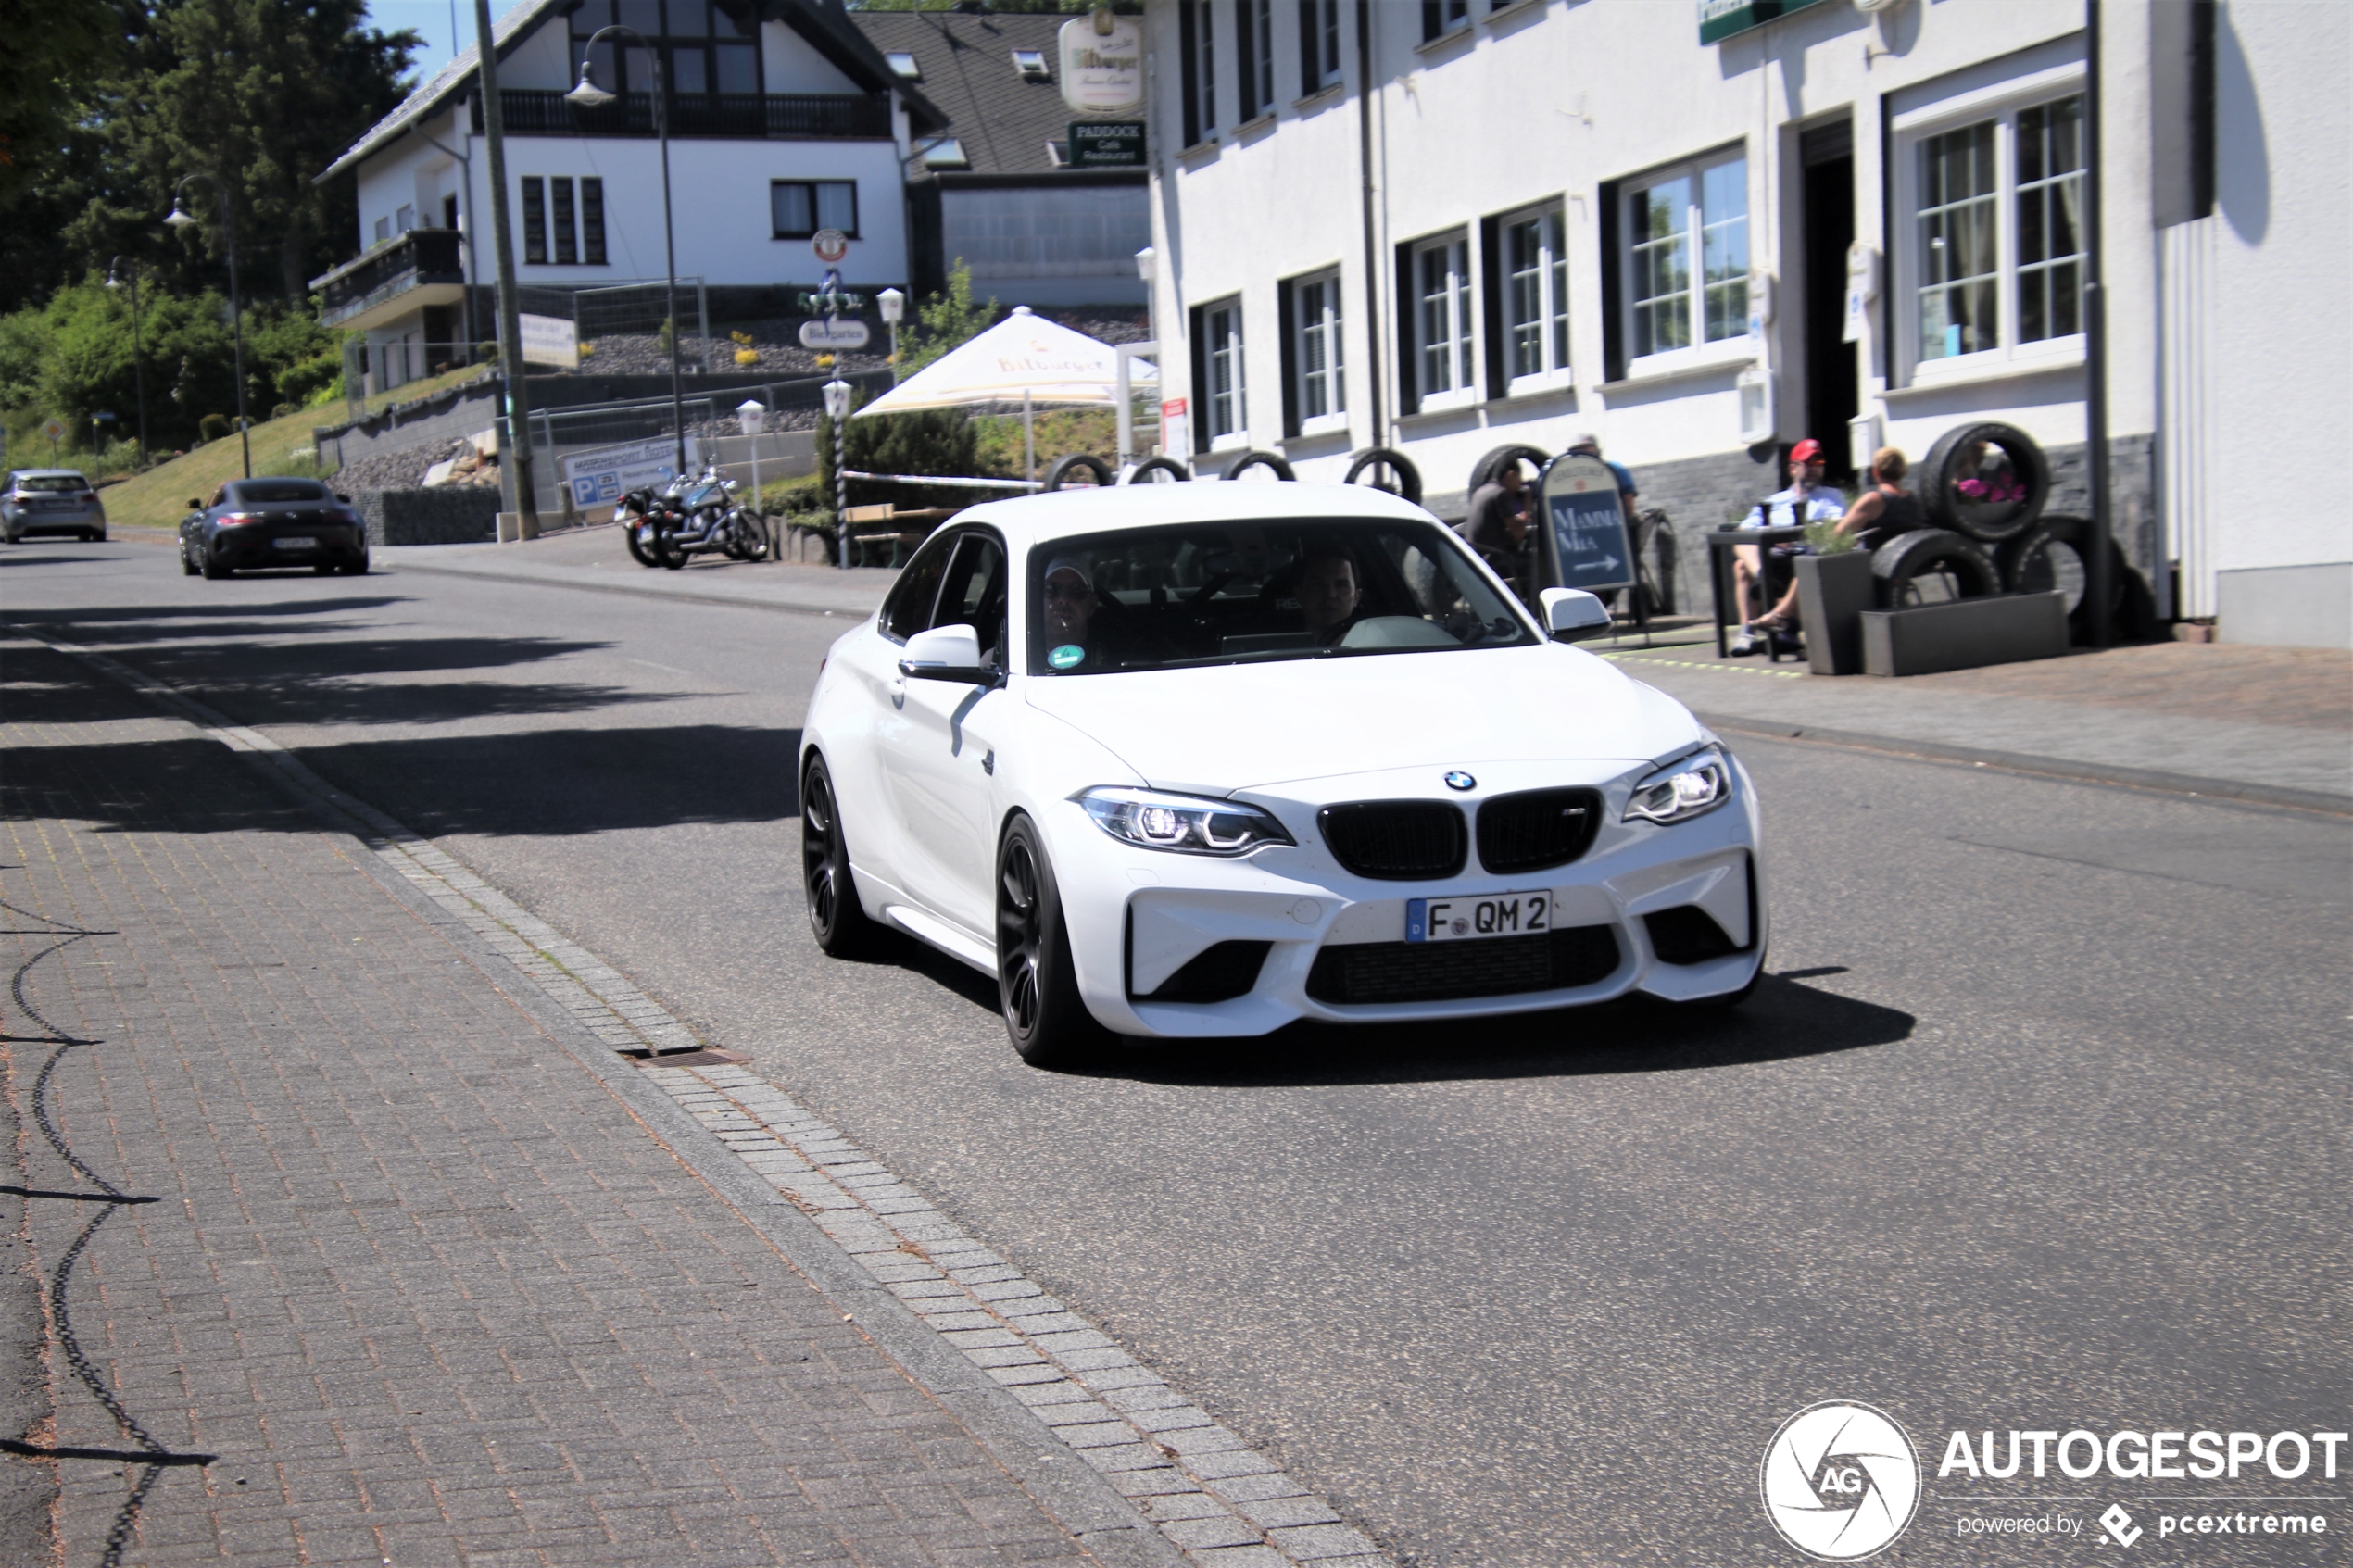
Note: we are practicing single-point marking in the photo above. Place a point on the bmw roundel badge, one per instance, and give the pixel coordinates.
(1460, 780)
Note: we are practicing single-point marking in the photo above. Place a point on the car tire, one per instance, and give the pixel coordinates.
(1487, 468)
(353, 568)
(1074, 463)
(188, 567)
(1146, 471)
(1037, 985)
(828, 888)
(214, 571)
(1391, 471)
(1902, 567)
(1272, 462)
(1946, 507)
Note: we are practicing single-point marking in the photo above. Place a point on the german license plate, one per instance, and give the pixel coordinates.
(1476, 915)
(304, 542)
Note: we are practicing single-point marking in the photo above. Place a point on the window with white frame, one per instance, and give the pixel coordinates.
(1323, 387)
(1222, 348)
(1442, 304)
(1441, 16)
(1319, 45)
(1254, 58)
(1687, 256)
(1534, 277)
(1997, 262)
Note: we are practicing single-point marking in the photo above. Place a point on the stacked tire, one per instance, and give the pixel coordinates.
(1984, 486)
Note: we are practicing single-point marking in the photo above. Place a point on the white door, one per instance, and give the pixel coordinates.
(870, 809)
(939, 758)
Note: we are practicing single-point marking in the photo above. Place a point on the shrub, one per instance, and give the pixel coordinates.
(213, 427)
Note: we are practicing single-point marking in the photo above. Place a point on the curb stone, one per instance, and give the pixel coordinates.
(969, 1327)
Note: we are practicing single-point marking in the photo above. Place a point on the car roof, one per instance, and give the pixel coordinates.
(1037, 520)
(49, 473)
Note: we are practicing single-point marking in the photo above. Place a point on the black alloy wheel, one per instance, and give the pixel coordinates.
(215, 569)
(1036, 986)
(836, 918)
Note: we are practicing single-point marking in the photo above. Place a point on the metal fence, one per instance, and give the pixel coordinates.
(623, 329)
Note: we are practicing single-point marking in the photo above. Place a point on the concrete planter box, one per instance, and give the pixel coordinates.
(1964, 635)
(1833, 594)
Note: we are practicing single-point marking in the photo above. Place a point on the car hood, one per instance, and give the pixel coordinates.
(1228, 727)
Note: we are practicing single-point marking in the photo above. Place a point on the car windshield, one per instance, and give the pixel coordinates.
(1163, 598)
(52, 484)
(266, 492)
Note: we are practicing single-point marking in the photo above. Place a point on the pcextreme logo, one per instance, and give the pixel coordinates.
(1840, 1480)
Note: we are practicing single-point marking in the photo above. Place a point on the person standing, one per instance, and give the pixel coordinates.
(1590, 444)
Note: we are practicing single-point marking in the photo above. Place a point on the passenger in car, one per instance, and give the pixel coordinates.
(1070, 605)
(1329, 592)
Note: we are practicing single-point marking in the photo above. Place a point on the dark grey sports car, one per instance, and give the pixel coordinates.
(272, 522)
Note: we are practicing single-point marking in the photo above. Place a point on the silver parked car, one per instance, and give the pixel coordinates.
(50, 501)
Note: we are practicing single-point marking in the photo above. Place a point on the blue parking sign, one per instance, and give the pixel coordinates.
(1585, 538)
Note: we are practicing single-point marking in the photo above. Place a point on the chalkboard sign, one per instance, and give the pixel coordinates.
(1586, 542)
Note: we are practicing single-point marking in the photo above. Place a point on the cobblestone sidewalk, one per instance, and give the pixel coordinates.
(350, 1257)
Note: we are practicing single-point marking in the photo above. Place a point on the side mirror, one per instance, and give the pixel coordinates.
(946, 653)
(344, 498)
(1572, 613)
(195, 505)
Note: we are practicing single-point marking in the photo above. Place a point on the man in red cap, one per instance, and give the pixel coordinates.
(1807, 499)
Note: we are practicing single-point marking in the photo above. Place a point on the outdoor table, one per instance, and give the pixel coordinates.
(1720, 544)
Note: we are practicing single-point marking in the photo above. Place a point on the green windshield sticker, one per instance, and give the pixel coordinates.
(1065, 656)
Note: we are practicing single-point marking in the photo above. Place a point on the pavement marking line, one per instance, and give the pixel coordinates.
(1701, 664)
(1198, 1484)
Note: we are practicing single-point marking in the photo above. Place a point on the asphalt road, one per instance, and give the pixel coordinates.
(2039, 1124)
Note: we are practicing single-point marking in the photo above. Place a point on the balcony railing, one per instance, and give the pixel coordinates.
(417, 258)
(750, 116)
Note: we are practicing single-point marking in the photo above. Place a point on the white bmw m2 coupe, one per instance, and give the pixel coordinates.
(1200, 759)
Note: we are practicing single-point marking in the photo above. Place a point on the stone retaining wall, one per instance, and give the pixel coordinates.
(454, 514)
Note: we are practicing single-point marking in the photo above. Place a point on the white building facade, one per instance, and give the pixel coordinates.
(784, 121)
(1704, 231)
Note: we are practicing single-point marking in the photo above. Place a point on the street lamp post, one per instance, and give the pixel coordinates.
(893, 305)
(180, 220)
(588, 95)
(138, 362)
(837, 410)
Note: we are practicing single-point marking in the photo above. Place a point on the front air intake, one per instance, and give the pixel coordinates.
(1397, 840)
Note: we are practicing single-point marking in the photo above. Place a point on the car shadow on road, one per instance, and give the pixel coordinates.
(1786, 1019)
(528, 782)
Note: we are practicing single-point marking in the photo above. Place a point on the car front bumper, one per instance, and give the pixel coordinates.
(1138, 917)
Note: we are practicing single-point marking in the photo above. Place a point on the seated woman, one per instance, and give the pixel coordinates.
(1878, 514)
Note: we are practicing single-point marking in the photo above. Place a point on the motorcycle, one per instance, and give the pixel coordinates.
(704, 516)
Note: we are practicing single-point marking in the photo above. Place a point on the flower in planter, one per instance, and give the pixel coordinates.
(746, 356)
(587, 349)
(825, 362)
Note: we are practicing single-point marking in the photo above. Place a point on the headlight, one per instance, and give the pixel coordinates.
(1682, 790)
(1188, 825)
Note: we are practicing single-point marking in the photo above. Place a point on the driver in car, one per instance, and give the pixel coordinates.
(1070, 605)
(1328, 593)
